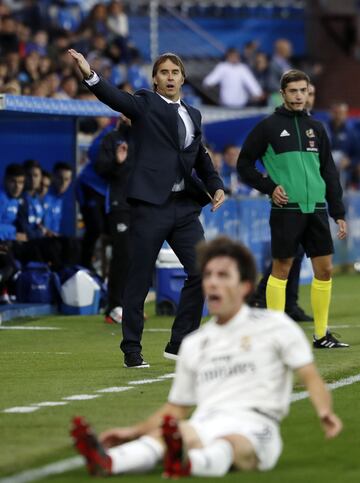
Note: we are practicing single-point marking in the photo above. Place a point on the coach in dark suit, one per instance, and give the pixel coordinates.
(164, 195)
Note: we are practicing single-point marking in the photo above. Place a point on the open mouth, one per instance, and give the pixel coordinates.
(170, 86)
(213, 298)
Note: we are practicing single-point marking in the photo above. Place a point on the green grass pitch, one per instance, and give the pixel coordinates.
(82, 356)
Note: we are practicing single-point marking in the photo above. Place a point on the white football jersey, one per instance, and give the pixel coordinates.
(245, 364)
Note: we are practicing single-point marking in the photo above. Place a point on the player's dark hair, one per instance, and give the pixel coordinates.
(62, 166)
(223, 246)
(30, 164)
(13, 170)
(293, 75)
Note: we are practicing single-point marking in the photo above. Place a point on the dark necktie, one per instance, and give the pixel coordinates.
(180, 125)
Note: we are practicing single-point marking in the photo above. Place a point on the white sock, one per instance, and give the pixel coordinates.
(213, 460)
(137, 456)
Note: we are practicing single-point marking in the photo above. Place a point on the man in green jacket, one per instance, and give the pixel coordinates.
(303, 184)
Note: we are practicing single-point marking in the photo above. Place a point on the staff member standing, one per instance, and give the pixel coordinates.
(113, 163)
(161, 192)
(302, 177)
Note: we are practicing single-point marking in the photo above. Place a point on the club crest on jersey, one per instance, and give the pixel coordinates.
(310, 133)
(245, 343)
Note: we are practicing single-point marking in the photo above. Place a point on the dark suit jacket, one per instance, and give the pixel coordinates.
(157, 153)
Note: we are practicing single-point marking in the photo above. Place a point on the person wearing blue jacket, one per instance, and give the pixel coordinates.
(91, 192)
(52, 202)
(33, 173)
(13, 225)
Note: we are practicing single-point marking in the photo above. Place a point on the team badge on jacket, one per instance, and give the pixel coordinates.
(310, 133)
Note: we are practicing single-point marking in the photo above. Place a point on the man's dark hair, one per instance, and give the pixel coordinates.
(175, 59)
(62, 166)
(13, 170)
(30, 164)
(223, 246)
(293, 75)
(45, 173)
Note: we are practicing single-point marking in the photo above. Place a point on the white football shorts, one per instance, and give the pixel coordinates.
(262, 432)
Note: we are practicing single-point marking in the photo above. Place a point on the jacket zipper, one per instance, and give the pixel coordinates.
(302, 161)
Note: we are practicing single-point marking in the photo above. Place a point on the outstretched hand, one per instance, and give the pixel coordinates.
(82, 63)
(117, 436)
(331, 424)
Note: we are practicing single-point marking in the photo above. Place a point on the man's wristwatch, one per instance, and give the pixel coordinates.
(92, 73)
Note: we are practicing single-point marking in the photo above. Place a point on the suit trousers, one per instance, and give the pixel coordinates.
(118, 222)
(177, 222)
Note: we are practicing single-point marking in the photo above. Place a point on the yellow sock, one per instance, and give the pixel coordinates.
(276, 293)
(320, 302)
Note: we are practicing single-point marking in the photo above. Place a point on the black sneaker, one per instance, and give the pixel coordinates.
(328, 342)
(298, 314)
(135, 360)
(171, 351)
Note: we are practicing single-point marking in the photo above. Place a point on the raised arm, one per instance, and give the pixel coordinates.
(132, 106)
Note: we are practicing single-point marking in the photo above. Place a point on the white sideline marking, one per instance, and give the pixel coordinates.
(38, 352)
(23, 327)
(50, 404)
(115, 389)
(144, 381)
(167, 376)
(334, 385)
(81, 397)
(21, 409)
(344, 326)
(73, 463)
(44, 471)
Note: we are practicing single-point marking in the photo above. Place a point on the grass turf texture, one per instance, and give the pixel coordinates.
(83, 357)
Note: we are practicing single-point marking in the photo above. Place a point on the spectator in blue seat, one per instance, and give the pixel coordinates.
(280, 62)
(12, 221)
(45, 184)
(233, 184)
(344, 142)
(12, 225)
(35, 212)
(53, 200)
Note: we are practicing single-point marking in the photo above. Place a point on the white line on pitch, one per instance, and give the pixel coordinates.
(81, 397)
(23, 327)
(298, 396)
(115, 389)
(144, 381)
(344, 326)
(77, 462)
(52, 469)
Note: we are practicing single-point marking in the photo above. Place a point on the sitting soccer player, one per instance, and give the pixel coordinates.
(237, 372)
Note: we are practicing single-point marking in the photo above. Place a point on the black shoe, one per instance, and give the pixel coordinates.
(171, 351)
(135, 360)
(298, 314)
(328, 342)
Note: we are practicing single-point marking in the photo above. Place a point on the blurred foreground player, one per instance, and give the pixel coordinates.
(237, 372)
